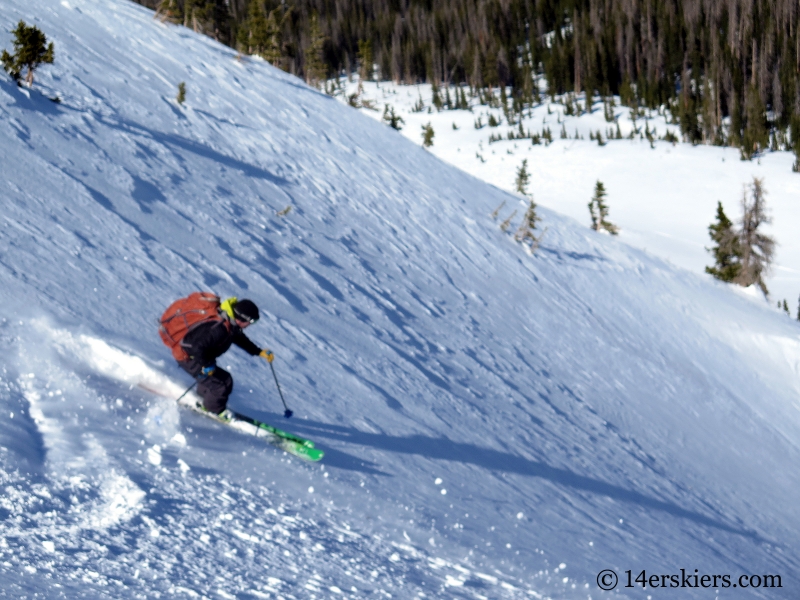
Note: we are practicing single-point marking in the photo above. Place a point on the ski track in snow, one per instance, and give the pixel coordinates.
(495, 424)
(112, 535)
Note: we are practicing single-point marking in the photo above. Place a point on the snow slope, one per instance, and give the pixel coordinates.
(663, 197)
(496, 424)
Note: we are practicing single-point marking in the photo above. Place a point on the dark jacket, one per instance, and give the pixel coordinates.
(208, 341)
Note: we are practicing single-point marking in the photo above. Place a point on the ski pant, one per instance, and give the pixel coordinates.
(214, 389)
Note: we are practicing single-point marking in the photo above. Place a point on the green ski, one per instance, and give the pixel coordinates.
(284, 440)
(288, 442)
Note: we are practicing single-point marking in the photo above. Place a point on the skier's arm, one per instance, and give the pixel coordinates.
(241, 340)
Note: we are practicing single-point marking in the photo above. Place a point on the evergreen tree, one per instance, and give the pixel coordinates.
(463, 103)
(365, 60)
(437, 99)
(252, 36)
(181, 98)
(757, 248)
(523, 178)
(273, 48)
(608, 109)
(593, 214)
(736, 124)
(736, 63)
(427, 135)
(210, 17)
(710, 128)
(727, 253)
(688, 109)
(392, 118)
(598, 210)
(30, 50)
(794, 132)
(756, 135)
(315, 68)
(599, 138)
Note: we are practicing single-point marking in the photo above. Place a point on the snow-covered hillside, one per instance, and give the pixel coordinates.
(662, 195)
(496, 424)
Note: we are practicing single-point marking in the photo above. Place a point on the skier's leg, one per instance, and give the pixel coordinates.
(215, 390)
(192, 367)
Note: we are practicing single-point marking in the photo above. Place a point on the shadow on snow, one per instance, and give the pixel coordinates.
(498, 461)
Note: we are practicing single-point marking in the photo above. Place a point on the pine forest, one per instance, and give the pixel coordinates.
(727, 70)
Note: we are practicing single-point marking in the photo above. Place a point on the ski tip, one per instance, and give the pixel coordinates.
(314, 456)
(304, 452)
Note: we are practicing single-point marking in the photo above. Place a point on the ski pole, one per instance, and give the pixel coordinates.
(189, 389)
(287, 413)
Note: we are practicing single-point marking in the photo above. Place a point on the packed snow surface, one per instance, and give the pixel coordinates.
(496, 423)
(662, 195)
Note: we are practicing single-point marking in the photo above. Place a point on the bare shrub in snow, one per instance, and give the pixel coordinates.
(757, 248)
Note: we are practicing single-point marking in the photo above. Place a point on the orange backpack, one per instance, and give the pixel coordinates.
(185, 314)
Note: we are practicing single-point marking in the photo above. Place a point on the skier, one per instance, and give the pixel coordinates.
(210, 339)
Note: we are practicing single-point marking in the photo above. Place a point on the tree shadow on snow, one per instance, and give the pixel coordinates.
(174, 140)
(29, 99)
(171, 140)
(562, 255)
(498, 461)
